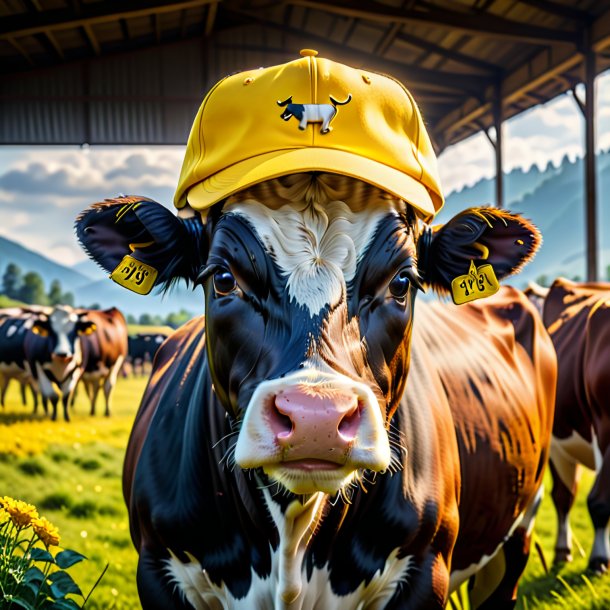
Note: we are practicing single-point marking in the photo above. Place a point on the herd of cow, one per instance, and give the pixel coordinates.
(50, 349)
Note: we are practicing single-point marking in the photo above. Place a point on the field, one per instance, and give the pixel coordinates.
(72, 473)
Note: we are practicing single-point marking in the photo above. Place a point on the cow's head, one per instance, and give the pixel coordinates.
(61, 329)
(310, 283)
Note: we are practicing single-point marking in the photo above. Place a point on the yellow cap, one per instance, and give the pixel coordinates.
(311, 114)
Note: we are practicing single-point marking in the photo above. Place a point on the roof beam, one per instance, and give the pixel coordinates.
(554, 8)
(90, 15)
(211, 17)
(21, 51)
(51, 38)
(95, 45)
(409, 74)
(472, 23)
(455, 56)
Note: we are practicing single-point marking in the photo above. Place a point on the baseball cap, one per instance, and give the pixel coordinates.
(310, 114)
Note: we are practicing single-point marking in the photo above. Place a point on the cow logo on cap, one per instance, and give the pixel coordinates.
(312, 113)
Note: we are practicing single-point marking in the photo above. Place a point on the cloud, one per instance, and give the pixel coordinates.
(137, 167)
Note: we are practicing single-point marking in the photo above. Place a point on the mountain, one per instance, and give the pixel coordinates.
(554, 200)
(108, 294)
(27, 260)
(90, 269)
(90, 284)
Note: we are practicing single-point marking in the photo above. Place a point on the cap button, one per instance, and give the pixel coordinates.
(308, 52)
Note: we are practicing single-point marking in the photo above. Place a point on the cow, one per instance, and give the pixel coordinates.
(142, 348)
(577, 316)
(15, 324)
(312, 443)
(54, 354)
(312, 113)
(104, 351)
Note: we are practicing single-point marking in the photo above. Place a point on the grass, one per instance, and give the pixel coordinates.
(7, 302)
(149, 329)
(72, 473)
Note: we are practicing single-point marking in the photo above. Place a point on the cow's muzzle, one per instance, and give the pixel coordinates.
(313, 431)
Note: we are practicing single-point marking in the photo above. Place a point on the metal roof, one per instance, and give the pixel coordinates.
(135, 71)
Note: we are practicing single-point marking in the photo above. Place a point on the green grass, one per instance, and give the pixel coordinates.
(72, 473)
(76, 484)
(6, 302)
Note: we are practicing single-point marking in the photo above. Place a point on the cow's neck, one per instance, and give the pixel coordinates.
(296, 524)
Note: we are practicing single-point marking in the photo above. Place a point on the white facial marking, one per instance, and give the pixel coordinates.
(63, 322)
(316, 239)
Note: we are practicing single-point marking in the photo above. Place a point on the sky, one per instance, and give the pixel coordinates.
(42, 189)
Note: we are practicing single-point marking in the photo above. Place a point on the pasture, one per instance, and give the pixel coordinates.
(72, 473)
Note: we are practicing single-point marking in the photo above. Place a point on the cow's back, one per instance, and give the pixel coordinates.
(496, 365)
(577, 317)
(108, 343)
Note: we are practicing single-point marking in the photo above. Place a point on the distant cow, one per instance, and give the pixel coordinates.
(104, 351)
(15, 324)
(142, 349)
(276, 460)
(54, 354)
(577, 316)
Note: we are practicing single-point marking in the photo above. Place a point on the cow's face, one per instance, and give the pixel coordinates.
(61, 330)
(309, 304)
(310, 284)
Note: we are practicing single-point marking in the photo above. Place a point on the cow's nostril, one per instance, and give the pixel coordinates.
(348, 426)
(281, 424)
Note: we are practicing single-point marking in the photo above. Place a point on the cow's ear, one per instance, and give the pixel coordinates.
(138, 240)
(477, 235)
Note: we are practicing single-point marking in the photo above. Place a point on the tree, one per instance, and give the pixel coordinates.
(55, 294)
(146, 319)
(67, 298)
(131, 319)
(178, 319)
(542, 280)
(11, 281)
(32, 291)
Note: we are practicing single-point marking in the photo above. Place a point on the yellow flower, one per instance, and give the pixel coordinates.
(21, 513)
(46, 531)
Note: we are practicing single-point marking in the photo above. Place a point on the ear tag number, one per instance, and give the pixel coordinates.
(134, 275)
(478, 283)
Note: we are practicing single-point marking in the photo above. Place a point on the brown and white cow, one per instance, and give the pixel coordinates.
(276, 460)
(54, 353)
(577, 317)
(104, 351)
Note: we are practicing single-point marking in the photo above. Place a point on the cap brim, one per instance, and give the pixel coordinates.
(280, 163)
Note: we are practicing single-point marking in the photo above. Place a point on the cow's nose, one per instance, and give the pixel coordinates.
(322, 426)
(61, 355)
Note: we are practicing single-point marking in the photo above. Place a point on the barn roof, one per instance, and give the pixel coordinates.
(135, 71)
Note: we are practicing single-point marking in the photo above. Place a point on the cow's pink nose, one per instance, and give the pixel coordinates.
(321, 426)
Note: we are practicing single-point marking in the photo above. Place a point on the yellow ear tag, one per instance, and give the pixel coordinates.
(478, 283)
(134, 275)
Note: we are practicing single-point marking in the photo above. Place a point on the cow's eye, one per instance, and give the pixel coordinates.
(399, 285)
(224, 282)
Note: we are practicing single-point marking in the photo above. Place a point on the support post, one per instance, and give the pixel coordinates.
(590, 183)
(497, 112)
(496, 142)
